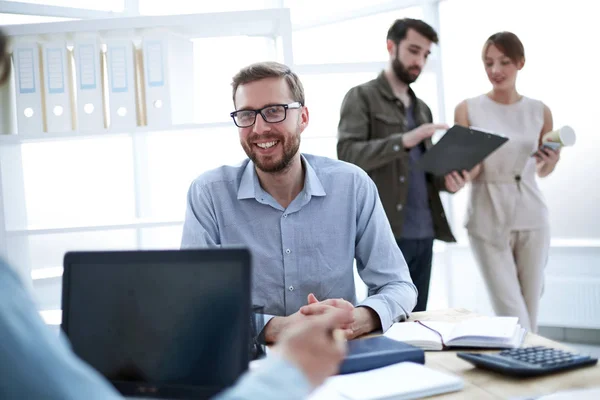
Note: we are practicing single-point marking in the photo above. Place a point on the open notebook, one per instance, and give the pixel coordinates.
(489, 332)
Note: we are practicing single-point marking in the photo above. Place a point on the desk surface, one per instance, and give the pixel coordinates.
(481, 384)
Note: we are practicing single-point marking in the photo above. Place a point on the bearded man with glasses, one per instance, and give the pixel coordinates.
(305, 218)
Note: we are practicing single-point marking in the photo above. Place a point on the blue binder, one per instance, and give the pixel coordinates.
(377, 352)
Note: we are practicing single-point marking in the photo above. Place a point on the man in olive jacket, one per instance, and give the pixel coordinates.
(384, 129)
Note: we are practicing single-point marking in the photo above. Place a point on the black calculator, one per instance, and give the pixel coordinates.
(528, 361)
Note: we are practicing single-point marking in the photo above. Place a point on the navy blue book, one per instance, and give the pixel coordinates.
(377, 352)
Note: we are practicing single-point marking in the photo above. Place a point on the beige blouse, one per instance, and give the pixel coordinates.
(505, 195)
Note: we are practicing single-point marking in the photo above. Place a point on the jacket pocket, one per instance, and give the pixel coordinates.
(385, 125)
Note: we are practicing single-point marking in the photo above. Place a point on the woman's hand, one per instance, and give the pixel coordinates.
(546, 159)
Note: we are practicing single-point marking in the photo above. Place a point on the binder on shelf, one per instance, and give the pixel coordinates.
(156, 94)
(56, 95)
(88, 83)
(28, 92)
(120, 92)
(181, 75)
(168, 83)
(140, 98)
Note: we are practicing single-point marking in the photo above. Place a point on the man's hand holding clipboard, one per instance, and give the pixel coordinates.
(417, 135)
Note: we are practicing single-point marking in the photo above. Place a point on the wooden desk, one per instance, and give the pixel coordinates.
(481, 384)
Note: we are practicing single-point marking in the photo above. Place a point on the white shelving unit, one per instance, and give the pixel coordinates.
(15, 230)
(138, 131)
(268, 23)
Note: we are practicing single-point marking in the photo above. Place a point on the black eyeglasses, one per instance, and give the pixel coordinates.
(272, 114)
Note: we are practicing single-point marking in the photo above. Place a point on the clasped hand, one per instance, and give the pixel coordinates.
(361, 320)
(364, 320)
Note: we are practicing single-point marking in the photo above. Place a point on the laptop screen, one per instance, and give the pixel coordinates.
(160, 323)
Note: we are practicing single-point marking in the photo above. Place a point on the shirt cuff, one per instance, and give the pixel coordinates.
(261, 323)
(380, 307)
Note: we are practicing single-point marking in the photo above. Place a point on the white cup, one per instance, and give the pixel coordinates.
(565, 136)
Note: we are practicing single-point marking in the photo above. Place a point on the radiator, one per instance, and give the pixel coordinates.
(572, 302)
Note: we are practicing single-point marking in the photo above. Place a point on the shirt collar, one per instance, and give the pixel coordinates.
(312, 183)
(246, 189)
(250, 186)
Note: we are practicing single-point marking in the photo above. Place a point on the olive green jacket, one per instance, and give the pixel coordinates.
(370, 131)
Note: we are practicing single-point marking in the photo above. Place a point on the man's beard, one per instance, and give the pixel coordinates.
(403, 73)
(290, 146)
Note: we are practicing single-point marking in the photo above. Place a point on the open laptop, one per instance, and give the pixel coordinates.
(160, 324)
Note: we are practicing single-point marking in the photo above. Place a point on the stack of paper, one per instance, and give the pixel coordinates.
(399, 381)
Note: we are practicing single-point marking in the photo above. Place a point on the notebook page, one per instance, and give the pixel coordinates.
(413, 333)
(486, 327)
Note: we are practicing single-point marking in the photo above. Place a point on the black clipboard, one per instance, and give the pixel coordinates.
(461, 148)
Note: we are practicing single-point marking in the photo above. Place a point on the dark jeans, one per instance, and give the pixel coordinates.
(418, 254)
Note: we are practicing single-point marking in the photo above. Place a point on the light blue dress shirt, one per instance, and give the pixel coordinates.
(310, 246)
(35, 363)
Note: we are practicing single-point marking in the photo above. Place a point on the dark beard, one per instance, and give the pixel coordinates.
(290, 148)
(282, 166)
(402, 72)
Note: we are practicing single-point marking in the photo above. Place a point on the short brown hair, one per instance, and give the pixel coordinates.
(400, 27)
(4, 58)
(508, 43)
(269, 69)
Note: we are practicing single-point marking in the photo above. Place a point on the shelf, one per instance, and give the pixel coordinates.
(252, 23)
(40, 137)
(135, 224)
(46, 10)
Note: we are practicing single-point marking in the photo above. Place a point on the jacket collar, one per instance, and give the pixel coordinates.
(386, 90)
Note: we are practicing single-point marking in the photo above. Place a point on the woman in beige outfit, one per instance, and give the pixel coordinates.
(507, 218)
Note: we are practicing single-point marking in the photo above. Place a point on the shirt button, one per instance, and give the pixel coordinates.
(284, 215)
(287, 251)
(396, 147)
(291, 288)
(402, 179)
(399, 207)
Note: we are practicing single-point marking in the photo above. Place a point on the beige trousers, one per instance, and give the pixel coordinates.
(514, 273)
